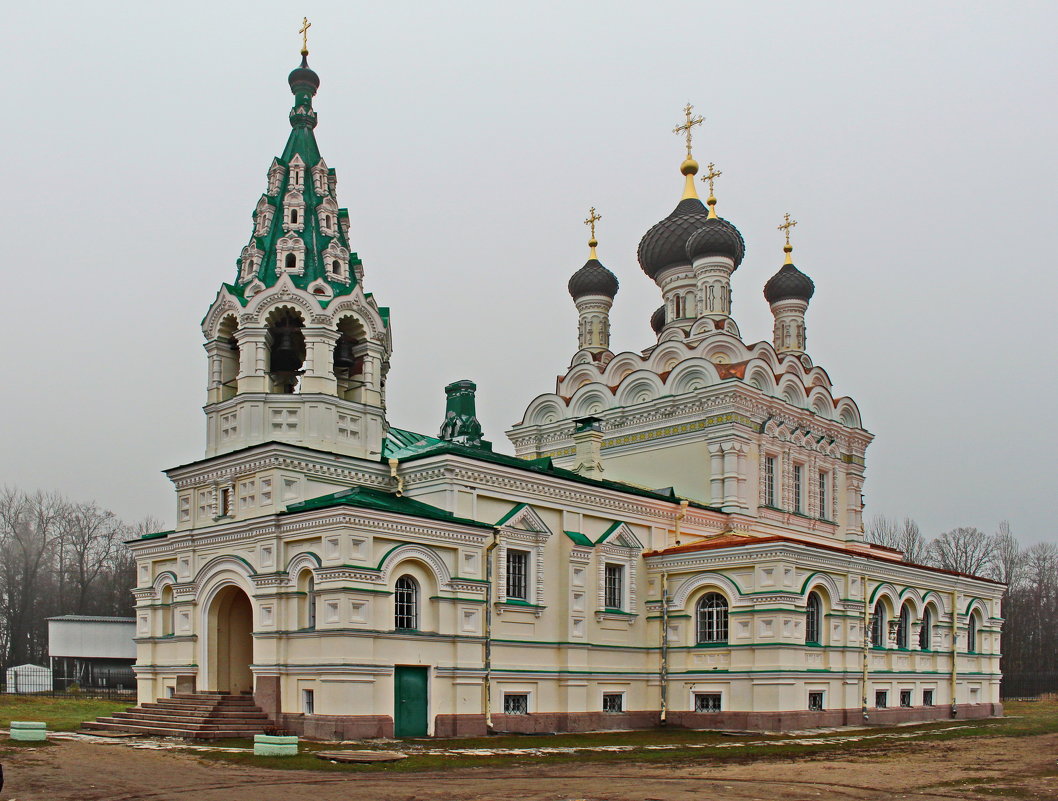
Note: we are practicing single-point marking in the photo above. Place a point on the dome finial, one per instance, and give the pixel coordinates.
(785, 227)
(689, 167)
(590, 222)
(709, 177)
(304, 31)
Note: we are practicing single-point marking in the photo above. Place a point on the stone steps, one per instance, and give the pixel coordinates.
(198, 716)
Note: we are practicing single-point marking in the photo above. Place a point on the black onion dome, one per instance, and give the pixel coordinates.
(593, 279)
(657, 319)
(717, 237)
(788, 284)
(665, 243)
(303, 79)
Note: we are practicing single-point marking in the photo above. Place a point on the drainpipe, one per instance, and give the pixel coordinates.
(664, 672)
(866, 643)
(954, 650)
(393, 465)
(488, 630)
(679, 518)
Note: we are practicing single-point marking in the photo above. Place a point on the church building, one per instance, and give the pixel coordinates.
(677, 539)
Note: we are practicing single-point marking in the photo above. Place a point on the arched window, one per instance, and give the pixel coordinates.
(925, 633)
(679, 313)
(336, 267)
(971, 634)
(293, 215)
(903, 628)
(167, 611)
(711, 615)
(814, 619)
(291, 262)
(406, 604)
(310, 600)
(327, 221)
(878, 627)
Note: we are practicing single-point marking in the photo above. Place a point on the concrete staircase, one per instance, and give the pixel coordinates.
(191, 716)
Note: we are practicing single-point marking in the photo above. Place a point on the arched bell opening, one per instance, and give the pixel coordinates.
(228, 354)
(286, 351)
(349, 357)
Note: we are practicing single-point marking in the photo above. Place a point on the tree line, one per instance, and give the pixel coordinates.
(59, 557)
(1030, 603)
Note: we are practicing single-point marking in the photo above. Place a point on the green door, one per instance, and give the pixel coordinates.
(409, 701)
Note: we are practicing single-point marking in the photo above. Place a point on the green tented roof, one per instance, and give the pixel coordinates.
(579, 539)
(370, 498)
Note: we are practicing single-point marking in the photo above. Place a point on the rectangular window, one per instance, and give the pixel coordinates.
(205, 504)
(614, 595)
(225, 502)
(798, 488)
(881, 699)
(824, 511)
(518, 575)
(247, 493)
(185, 508)
(769, 481)
(707, 702)
(516, 703)
(308, 701)
(613, 702)
(927, 698)
(905, 698)
(815, 702)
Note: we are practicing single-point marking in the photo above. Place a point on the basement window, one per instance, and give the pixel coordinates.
(308, 701)
(516, 703)
(707, 702)
(613, 702)
(881, 699)
(927, 698)
(815, 702)
(905, 698)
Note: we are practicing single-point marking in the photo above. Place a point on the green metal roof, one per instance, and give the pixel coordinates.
(579, 539)
(370, 498)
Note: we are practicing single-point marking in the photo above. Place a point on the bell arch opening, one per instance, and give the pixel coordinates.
(286, 350)
(349, 353)
(228, 353)
(231, 642)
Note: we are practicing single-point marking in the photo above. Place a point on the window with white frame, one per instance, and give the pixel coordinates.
(878, 627)
(614, 589)
(824, 495)
(516, 703)
(798, 488)
(903, 628)
(707, 702)
(769, 481)
(905, 698)
(881, 699)
(613, 702)
(711, 613)
(925, 632)
(814, 619)
(927, 698)
(406, 603)
(815, 701)
(308, 701)
(971, 634)
(517, 575)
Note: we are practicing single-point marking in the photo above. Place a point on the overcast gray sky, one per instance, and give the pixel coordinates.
(914, 142)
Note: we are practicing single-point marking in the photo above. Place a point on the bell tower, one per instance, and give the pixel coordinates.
(297, 351)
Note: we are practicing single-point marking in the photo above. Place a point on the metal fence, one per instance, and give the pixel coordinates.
(111, 682)
(1028, 685)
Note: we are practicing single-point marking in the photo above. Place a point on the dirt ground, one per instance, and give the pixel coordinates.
(972, 768)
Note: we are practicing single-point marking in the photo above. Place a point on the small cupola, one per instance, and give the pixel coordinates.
(788, 293)
(593, 288)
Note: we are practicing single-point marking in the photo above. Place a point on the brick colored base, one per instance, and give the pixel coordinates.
(355, 727)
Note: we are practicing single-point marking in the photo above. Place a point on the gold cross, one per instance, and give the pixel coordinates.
(592, 219)
(304, 31)
(688, 125)
(786, 226)
(711, 176)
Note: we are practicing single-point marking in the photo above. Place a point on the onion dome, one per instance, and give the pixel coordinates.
(665, 244)
(303, 79)
(657, 319)
(593, 279)
(717, 237)
(788, 284)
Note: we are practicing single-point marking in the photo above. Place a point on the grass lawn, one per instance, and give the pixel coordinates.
(1025, 719)
(61, 714)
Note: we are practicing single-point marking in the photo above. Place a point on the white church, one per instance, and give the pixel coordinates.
(677, 540)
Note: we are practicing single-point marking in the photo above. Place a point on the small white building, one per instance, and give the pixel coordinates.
(28, 679)
(94, 651)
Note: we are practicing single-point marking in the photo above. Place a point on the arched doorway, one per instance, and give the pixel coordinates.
(231, 641)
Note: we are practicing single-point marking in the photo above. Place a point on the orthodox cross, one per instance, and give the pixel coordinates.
(304, 31)
(592, 219)
(712, 175)
(786, 226)
(688, 125)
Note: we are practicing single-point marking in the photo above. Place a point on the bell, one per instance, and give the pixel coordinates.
(343, 355)
(286, 355)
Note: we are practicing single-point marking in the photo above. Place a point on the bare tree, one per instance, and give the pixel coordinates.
(1008, 564)
(905, 537)
(965, 550)
(882, 530)
(91, 535)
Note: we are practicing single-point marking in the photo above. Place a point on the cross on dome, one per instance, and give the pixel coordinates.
(785, 227)
(592, 219)
(688, 125)
(304, 31)
(709, 177)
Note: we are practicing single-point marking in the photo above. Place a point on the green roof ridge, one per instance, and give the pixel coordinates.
(371, 498)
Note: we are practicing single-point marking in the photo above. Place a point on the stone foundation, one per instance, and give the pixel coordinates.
(356, 727)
